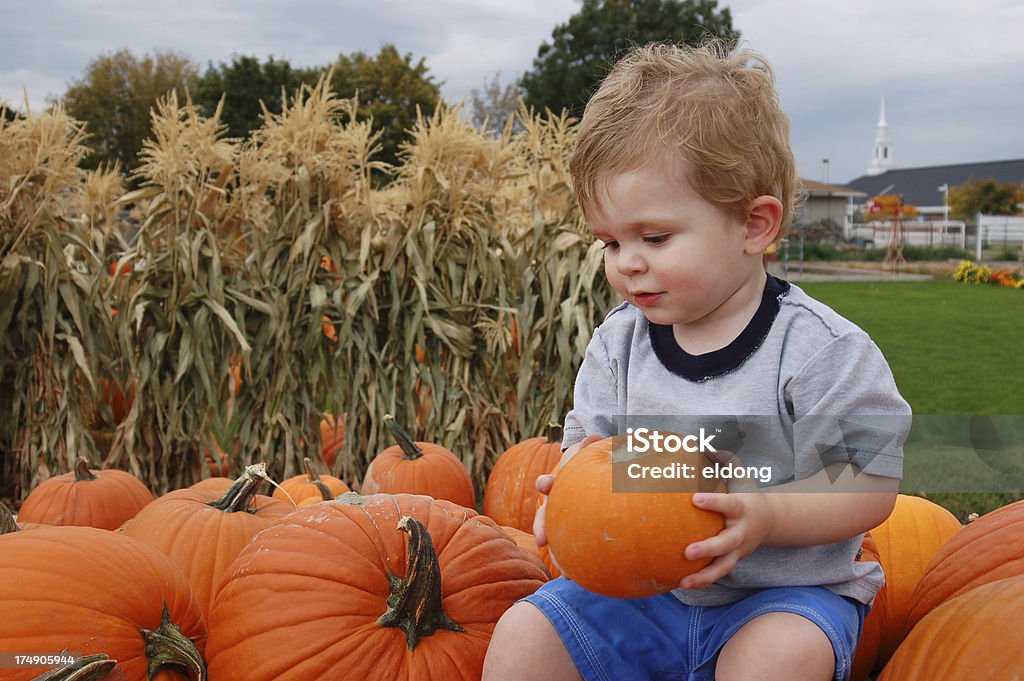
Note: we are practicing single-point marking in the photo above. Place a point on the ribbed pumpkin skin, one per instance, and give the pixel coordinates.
(303, 599)
(976, 635)
(200, 539)
(87, 591)
(990, 548)
(510, 497)
(105, 502)
(437, 473)
(332, 438)
(908, 539)
(626, 544)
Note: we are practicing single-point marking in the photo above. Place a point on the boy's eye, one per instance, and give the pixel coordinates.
(655, 239)
(610, 245)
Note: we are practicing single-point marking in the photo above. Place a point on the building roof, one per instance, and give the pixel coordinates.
(821, 189)
(920, 186)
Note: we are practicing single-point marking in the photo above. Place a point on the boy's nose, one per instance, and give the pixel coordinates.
(630, 262)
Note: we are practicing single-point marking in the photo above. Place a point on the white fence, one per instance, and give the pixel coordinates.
(935, 234)
(1000, 231)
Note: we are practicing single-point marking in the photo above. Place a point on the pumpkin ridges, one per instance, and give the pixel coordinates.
(986, 550)
(332, 559)
(107, 500)
(975, 635)
(109, 587)
(510, 496)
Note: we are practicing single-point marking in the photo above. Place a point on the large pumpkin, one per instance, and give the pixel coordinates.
(89, 591)
(626, 544)
(310, 485)
(976, 635)
(386, 587)
(418, 468)
(907, 540)
(990, 548)
(510, 497)
(202, 530)
(96, 498)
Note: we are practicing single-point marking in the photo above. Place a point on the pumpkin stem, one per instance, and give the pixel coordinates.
(415, 601)
(86, 668)
(242, 490)
(168, 646)
(405, 441)
(314, 479)
(7, 524)
(82, 472)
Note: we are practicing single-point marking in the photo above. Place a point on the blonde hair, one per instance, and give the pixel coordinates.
(715, 108)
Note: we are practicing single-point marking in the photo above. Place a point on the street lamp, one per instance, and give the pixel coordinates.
(824, 162)
(944, 188)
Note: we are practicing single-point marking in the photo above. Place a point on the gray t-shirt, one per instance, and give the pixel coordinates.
(801, 386)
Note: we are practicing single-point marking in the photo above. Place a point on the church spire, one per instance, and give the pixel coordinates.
(881, 159)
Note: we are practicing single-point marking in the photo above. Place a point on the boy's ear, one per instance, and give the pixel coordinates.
(764, 219)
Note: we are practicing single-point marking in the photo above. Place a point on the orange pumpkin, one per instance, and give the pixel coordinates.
(510, 497)
(90, 591)
(976, 635)
(215, 484)
(202, 531)
(626, 544)
(418, 468)
(386, 587)
(990, 548)
(332, 438)
(97, 498)
(310, 485)
(120, 403)
(907, 540)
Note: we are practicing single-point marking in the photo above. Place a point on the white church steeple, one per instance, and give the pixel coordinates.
(881, 160)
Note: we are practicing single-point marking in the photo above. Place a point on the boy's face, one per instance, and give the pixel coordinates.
(674, 255)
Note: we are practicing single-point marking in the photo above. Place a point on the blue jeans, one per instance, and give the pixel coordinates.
(661, 638)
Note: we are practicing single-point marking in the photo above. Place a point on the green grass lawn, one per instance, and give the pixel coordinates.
(955, 349)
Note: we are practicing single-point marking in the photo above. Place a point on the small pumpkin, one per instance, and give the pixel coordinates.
(310, 485)
(418, 468)
(990, 548)
(510, 497)
(202, 530)
(97, 498)
(92, 591)
(975, 635)
(385, 587)
(332, 438)
(626, 544)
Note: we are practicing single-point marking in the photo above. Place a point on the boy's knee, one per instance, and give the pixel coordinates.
(524, 628)
(777, 645)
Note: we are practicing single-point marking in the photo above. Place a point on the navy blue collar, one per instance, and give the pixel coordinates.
(719, 362)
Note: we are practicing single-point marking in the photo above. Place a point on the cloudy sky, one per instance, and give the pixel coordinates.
(952, 74)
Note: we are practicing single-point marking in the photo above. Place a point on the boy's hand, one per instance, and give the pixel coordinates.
(544, 483)
(748, 521)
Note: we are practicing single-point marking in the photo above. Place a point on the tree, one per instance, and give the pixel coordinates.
(114, 97)
(244, 83)
(495, 105)
(567, 70)
(390, 88)
(984, 196)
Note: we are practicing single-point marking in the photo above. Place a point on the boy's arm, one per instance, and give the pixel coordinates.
(794, 514)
